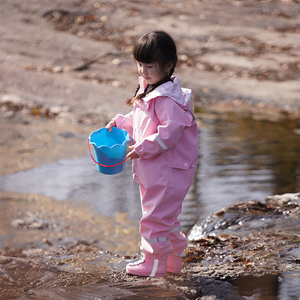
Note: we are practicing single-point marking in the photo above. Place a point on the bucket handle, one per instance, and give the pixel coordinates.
(109, 166)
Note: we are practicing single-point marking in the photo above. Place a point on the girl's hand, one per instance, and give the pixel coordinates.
(111, 124)
(132, 154)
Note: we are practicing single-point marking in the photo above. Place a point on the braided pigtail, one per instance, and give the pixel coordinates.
(130, 101)
(151, 88)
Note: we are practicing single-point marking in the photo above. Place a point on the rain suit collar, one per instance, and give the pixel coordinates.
(170, 89)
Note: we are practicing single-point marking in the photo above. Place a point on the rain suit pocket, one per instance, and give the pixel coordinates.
(180, 164)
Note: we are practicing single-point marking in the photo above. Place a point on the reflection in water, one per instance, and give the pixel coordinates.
(79, 180)
(264, 287)
(242, 159)
(290, 287)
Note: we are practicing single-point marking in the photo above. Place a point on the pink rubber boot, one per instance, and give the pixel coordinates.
(148, 267)
(179, 242)
(174, 263)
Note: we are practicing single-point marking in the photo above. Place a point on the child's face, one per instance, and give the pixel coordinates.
(151, 72)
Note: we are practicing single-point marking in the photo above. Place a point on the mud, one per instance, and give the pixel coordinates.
(66, 69)
(40, 221)
(53, 249)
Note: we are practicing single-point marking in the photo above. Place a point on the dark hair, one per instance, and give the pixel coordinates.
(155, 46)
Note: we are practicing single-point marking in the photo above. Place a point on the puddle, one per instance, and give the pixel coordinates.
(79, 180)
(269, 287)
(243, 159)
(257, 288)
(105, 291)
(289, 288)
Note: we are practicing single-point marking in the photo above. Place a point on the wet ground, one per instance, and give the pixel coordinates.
(56, 262)
(66, 69)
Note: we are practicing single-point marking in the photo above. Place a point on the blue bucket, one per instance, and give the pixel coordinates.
(110, 149)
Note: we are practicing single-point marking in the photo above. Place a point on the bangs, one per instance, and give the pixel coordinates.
(156, 47)
(144, 52)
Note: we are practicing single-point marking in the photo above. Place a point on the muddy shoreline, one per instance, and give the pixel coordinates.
(66, 69)
(65, 256)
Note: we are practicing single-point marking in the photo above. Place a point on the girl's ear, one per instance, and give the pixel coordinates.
(169, 66)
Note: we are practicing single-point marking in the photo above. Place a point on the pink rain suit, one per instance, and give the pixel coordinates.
(166, 140)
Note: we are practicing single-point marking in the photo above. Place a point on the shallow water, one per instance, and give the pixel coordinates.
(289, 282)
(79, 180)
(240, 160)
(285, 286)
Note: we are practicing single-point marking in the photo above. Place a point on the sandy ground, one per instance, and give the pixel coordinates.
(229, 51)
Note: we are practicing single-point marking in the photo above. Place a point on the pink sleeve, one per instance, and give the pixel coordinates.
(125, 122)
(172, 121)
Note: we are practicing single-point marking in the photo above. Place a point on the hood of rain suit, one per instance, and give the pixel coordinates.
(171, 89)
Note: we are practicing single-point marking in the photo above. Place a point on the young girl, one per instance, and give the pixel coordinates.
(164, 155)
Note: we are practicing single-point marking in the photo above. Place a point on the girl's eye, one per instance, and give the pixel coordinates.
(147, 66)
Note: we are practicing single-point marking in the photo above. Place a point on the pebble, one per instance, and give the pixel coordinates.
(17, 223)
(9, 114)
(10, 98)
(57, 69)
(116, 61)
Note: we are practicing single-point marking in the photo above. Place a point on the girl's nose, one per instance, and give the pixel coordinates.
(144, 70)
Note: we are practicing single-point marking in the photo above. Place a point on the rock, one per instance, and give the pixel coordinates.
(116, 61)
(32, 252)
(284, 200)
(57, 69)
(17, 223)
(243, 240)
(280, 211)
(23, 271)
(10, 98)
(31, 224)
(9, 114)
(222, 291)
(234, 219)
